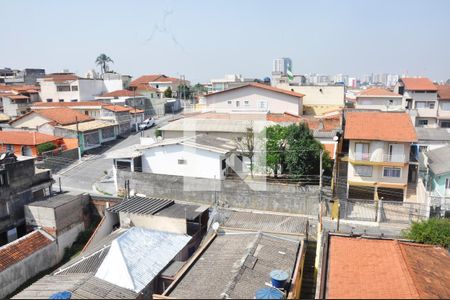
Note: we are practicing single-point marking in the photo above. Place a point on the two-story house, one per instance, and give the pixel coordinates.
(443, 93)
(438, 179)
(379, 149)
(419, 99)
(380, 99)
(158, 84)
(16, 100)
(255, 98)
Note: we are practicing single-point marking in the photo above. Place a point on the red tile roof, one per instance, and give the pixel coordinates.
(331, 149)
(378, 92)
(261, 86)
(418, 84)
(116, 108)
(388, 269)
(26, 138)
(121, 93)
(69, 104)
(20, 249)
(20, 88)
(60, 77)
(379, 126)
(63, 115)
(145, 79)
(328, 123)
(136, 111)
(443, 91)
(146, 87)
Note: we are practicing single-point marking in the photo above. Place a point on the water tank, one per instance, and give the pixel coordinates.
(61, 295)
(279, 278)
(268, 293)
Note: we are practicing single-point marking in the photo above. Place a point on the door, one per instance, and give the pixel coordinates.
(361, 151)
(395, 153)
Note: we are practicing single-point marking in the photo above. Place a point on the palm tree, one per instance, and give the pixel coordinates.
(102, 61)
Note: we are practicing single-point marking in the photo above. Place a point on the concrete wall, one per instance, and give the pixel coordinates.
(233, 193)
(68, 237)
(153, 222)
(30, 121)
(319, 95)
(274, 102)
(105, 227)
(17, 274)
(379, 103)
(165, 160)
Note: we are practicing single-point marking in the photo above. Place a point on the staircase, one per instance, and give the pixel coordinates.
(308, 290)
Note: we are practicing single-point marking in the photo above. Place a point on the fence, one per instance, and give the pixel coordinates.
(57, 160)
(382, 211)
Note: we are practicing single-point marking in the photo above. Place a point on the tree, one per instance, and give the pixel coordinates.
(185, 91)
(246, 146)
(432, 231)
(45, 147)
(275, 142)
(102, 61)
(168, 93)
(303, 152)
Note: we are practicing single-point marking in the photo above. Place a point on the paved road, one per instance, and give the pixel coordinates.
(82, 176)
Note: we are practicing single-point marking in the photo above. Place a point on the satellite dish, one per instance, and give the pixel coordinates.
(215, 226)
(2, 157)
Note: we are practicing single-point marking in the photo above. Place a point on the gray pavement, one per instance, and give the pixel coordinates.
(92, 174)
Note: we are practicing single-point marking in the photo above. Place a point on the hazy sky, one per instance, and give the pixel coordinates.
(207, 39)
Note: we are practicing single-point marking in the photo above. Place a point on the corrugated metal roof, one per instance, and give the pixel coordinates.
(266, 222)
(82, 286)
(141, 205)
(213, 125)
(433, 134)
(439, 160)
(139, 255)
(178, 210)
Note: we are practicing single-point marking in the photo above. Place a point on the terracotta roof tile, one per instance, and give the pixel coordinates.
(443, 91)
(261, 86)
(331, 149)
(26, 138)
(69, 104)
(20, 249)
(60, 77)
(117, 108)
(136, 111)
(389, 269)
(379, 126)
(63, 115)
(146, 87)
(145, 79)
(418, 84)
(328, 123)
(378, 92)
(121, 93)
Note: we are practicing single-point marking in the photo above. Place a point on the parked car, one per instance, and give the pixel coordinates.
(148, 123)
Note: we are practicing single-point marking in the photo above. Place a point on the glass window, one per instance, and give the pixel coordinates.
(181, 161)
(445, 105)
(431, 105)
(361, 151)
(74, 88)
(63, 88)
(422, 122)
(365, 171)
(421, 104)
(447, 183)
(246, 103)
(10, 148)
(445, 124)
(50, 100)
(391, 172)
(238, 103)
(229, 102)
(61, 100)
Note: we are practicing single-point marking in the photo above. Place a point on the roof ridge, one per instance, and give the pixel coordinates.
(408, 269)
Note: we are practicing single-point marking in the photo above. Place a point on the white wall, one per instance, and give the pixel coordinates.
(87, 90)
(30, 121)
(319, 95)
(275, 102)
(112, 85)
(199, 163)
(379, 103)
(153, 222)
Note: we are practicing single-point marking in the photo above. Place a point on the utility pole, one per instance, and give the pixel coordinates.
(78, 139)
(320, 189)
(134, 107)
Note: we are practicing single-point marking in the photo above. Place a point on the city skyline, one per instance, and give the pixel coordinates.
(200, 42)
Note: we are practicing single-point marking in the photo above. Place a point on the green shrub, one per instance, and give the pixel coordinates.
(45, 147)
(433, 231)
(158, 132)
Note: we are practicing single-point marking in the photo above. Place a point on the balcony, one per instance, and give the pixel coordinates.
(378, 158)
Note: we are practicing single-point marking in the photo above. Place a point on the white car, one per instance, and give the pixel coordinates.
(148, 123)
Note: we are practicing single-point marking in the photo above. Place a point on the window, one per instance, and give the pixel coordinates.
(246, 103)
(262, 104)
(224, 164)
(422, 122)
(445, 124)
(425, 104)
(74, 88)
(447, 183)
(74, 100)
(431, 105)
(392, 172)
(61, 100)
(445, 105)
(50, 100)
(229, 102)
(363, 171)
(10, 148)
(238, 103)
(362, 151)
(63, 88)
(4, 178)
(182, 162)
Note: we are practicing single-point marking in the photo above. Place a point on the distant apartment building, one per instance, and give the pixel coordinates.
(68, 87)
(380, 99)
(379, 155)
(281, 65)
(420, 100)
(20, 77)
(227, 82)
(443, 113)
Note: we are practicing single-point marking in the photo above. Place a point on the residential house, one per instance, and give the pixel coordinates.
(379, 154)
(380, 99)
(376, 268)
(255, 98)
(137, 117)
(20, 184)
(20, 77)
(443, 93)
(45, 120)
(227, 82)
(186, 156)
(17, 100)
(438, 164)
(89, 108)
(68, 87)
(129, 98)
(420, 100)
(27, 143)
(318, 99)
(160, 82)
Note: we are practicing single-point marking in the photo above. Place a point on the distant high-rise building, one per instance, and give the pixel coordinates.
(281, 65)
